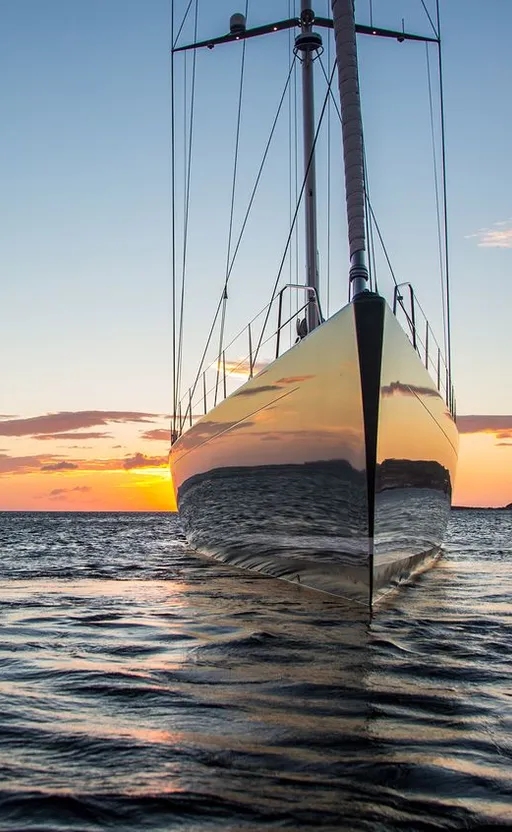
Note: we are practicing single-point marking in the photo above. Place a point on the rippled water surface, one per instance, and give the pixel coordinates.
(143, 687)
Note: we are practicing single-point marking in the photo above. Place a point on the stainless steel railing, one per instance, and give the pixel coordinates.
(222, 376)
(229, 375)
(424, 341)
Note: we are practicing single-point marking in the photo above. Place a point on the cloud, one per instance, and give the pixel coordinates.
(501, 426)
(158, 434)
(59, 492)
(22, 464)
(60, 466)
(51, 464)
(142, 461)
(85, 435)
(498, 236)
(65, 421)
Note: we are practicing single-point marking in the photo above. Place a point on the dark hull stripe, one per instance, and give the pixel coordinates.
(369, 319)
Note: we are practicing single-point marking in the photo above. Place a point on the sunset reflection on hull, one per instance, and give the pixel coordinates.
(333, 468)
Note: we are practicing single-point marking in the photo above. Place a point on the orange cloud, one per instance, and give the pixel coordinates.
(23, 464)
(51, 463)
(59, 466)
(501, 426)
(60, 493)
(84, 435)
(142, 461)
(69, 421)
(158, 434)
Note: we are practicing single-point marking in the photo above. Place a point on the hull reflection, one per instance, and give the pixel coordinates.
(301, 474)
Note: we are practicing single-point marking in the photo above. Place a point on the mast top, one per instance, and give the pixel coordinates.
(237, 24)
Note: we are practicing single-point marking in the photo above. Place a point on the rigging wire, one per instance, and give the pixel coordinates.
(372, 257)
(175, 41)
(381, 240)
(293, 169)
(333, 97)
(436, 31)
(288, 240)
(173, 227)
(246, 217)
(260, 170)
(436, 189)
(290, 172)
(188, 166)
(232, 209)
(296, 165)
(185, 134)
(293, 298)
(445, 200)
(328, 257)
(371, 273)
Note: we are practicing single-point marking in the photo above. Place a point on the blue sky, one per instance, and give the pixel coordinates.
(84, 165)
(85, 198)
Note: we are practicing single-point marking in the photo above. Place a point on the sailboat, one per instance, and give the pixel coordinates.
(333, 465)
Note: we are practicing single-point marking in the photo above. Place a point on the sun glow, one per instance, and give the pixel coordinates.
(161, 473)
(484, 475)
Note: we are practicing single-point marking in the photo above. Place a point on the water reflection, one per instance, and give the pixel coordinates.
(224, 700)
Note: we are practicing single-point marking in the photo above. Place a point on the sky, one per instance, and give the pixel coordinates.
(85, 209)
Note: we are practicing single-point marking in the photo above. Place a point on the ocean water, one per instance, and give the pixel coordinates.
(143, 687)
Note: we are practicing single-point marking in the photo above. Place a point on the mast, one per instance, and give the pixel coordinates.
(352, 134)
(307, 43)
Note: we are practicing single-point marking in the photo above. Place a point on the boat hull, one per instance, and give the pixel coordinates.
(332, 468)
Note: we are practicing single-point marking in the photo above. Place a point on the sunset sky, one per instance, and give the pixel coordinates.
(85, 265)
